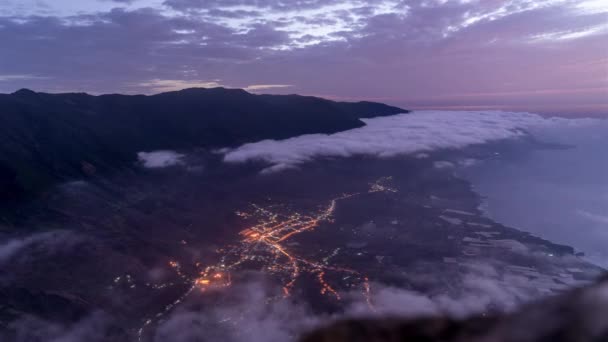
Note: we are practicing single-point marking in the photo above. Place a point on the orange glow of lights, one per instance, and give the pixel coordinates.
(264, 243)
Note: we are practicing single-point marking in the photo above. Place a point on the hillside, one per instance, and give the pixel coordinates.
(47, 138)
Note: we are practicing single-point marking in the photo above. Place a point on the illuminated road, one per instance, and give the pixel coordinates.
(265, 245)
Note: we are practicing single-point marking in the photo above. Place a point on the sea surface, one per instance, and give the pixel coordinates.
(559, 193)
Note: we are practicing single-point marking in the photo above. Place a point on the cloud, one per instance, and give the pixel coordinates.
(506, 54)
(49, 241)
(127, 2)
(566, 35)
(245, 314)
(160, 159)
(476, 295)
(391, 44)
(318, 18)
(593, 217)
(9, 78)
(481, 287)
(394, 135)
(576, 314)
(19, 254)
(256, 310)
(519, 55)
(160, 85)
(443, 164)
(256, 87)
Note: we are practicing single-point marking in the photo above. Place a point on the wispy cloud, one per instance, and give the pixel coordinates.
(49, 240)
(257, 87)
(160, 86)
(9, 78)
(594, 217)
(245, 316)
(570, 34)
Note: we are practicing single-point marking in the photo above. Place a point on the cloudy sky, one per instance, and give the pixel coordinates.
(544, 56)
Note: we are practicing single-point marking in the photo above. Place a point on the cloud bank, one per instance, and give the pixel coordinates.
(403, 134)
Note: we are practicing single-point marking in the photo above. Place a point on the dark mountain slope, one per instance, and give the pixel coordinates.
(46, 138)
(359, 110)
(574, 316)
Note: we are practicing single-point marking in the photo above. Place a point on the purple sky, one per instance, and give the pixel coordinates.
(542, 56)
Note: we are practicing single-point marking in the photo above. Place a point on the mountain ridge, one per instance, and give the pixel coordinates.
(48, 138)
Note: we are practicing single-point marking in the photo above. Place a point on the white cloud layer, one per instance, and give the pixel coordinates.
(160, 159)
(390, 136)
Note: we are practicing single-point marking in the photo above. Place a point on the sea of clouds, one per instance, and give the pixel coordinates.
(418, 131)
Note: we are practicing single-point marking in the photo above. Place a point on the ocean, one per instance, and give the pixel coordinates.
(557, 193)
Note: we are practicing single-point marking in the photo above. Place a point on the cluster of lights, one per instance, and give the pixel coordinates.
(264, 245)
(382, 186)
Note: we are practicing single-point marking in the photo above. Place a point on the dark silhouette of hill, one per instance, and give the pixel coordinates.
(578, 315)
(47, 138)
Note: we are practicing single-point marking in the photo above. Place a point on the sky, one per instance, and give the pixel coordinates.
(540, 56)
